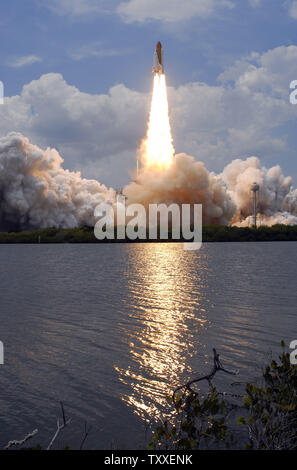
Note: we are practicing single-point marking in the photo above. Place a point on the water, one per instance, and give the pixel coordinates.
(111, 329)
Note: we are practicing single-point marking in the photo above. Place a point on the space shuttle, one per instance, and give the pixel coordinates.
(158, 66)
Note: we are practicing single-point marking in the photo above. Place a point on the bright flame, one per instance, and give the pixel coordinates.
(157, 149)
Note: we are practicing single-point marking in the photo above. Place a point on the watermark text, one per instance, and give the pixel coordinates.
(135, 221)
(293, 355)
(1, 353)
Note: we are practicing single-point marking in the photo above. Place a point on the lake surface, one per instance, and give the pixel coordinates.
(111, 329)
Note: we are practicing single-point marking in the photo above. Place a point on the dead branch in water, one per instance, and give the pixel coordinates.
(87, 432)
(217, 366)
(60, 427)
(21, 442)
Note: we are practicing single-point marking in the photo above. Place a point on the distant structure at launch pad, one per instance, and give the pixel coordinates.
(255, 189)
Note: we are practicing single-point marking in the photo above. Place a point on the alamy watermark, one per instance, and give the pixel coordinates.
(293, 355)
(293, 94)
(1, 353)
(1, 92)
(134, 221)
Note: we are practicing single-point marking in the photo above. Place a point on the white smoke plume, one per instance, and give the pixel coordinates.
(36, 192)
(277, 201)
(227, 198)
(185, 181)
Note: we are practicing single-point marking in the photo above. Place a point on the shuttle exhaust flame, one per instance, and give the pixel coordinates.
(157, 149)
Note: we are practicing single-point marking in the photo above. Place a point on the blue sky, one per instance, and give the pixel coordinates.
(216, 51)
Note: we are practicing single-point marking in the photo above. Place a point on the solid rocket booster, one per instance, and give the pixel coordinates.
(158, 66)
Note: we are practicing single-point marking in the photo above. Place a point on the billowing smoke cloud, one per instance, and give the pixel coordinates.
(185, 181)
(36, 192)
(277, 201)
(227, 198)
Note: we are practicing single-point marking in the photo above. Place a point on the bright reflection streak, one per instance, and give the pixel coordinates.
(169, 315)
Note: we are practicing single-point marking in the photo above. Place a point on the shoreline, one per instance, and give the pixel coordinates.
(210, 234)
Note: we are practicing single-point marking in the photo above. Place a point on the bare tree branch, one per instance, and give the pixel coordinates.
(87, 432)
(20, 443)
(60, 427)
(63, 413)
(216, 368)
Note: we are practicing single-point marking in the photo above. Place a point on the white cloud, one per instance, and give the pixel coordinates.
(168, 10)
(86, 129)
(139, 10)
(78, 8)
(255, 3)
(74, 7)
(270, 72)
(99, 134)
(24, 60)
(293, 9)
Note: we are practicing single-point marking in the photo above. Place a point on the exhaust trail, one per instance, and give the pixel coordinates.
(157, 149)
(168, 178)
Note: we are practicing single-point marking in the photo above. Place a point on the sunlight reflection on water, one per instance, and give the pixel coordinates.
(170, 306)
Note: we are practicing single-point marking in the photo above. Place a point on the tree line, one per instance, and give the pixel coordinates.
(210, 233)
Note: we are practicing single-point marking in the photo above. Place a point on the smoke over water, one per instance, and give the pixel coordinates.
(36, 192)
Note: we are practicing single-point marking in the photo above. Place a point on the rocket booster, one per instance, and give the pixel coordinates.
(158, 66)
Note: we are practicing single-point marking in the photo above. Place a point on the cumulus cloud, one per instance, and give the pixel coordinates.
(269, 73)
(86, 129)
(169, 10)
